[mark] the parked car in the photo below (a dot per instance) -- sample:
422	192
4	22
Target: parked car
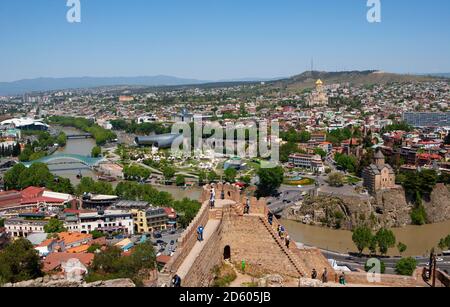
172	242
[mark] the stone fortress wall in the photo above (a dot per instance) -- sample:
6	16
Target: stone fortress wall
238	237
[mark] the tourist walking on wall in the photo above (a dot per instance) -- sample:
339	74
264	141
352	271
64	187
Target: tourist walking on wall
212	198
288	241
176	281
247	207
314	274
200	230
325	276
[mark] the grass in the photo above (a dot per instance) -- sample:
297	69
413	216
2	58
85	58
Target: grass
225	275
303	182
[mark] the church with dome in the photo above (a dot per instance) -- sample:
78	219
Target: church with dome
318	97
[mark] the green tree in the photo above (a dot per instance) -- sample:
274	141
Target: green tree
19	261
96	234
385	239
94	248
444	243
187	210
362	237
336	179
212	176
88	185
270	179
168	172
54	226
180	180
401	247
406	266
12	177
230	175
202	177
96	152
319	151
61	139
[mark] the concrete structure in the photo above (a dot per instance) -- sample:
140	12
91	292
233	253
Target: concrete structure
21	228
160	141
146	217
25	124
234	236
311	162
378	176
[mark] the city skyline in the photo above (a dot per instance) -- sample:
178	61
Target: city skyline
221	40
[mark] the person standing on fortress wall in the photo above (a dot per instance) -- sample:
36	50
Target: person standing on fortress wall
176	281
325	276
200	233
270	218
247	206
212	198
314	274
288	241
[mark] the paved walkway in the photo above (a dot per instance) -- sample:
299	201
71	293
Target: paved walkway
210	228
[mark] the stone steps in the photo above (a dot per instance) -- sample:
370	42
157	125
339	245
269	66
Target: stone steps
290	255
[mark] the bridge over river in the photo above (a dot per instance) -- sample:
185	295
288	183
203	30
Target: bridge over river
62	159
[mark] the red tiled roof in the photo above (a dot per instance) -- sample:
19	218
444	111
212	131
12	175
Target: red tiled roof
163	259
40	199
31	192
54	260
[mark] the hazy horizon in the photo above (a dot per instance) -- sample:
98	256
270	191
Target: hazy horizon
220	40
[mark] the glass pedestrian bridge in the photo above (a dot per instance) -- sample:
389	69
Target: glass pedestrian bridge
67	159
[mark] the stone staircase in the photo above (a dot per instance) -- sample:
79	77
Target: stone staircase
287	251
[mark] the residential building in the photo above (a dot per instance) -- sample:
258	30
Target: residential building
312	162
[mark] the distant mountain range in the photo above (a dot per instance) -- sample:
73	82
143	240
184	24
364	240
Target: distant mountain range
304	80
50	84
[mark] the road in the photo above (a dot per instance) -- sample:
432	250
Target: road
354	262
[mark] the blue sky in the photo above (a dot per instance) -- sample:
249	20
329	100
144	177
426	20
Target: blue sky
220	39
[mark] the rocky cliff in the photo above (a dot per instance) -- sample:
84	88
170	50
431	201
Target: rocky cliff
388	208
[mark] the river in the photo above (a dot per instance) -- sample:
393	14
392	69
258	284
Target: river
419	239
81	147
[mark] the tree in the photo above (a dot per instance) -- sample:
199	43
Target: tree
319	151
336	179
270	179
2	223
11	177
373	245
94	248
54	226
96	152
19	261
406	266
202	177
444	243
96	234
88	185
212	176
401	247
187	210
385	239
362	237
180	180
168	172
230	175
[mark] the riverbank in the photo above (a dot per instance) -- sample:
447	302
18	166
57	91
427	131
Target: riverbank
419	239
